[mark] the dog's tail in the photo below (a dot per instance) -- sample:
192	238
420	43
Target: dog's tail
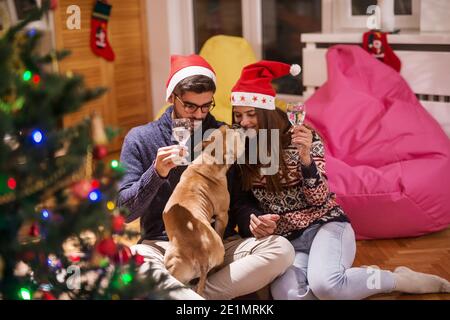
202	281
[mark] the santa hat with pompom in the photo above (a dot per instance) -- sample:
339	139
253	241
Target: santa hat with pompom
182	67
254	87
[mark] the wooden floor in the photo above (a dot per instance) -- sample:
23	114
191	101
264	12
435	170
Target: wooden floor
430	254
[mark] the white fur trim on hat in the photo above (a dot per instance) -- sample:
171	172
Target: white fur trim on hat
257	100
187	72
295	70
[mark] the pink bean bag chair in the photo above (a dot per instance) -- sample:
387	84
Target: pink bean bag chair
388	160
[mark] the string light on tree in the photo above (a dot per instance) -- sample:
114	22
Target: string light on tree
114	164
27	75
36	79
25	294
95	196
37	136
12	184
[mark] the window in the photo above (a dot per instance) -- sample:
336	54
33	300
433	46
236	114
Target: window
351	15
213	17
401	7
283	21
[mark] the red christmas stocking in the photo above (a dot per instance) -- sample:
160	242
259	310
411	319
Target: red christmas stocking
99	29
375	43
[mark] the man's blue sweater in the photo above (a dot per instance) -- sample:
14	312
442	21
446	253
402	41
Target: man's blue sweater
145	193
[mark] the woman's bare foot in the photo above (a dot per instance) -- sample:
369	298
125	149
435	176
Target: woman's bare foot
410	281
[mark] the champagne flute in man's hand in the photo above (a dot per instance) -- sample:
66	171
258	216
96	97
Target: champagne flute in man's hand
181	131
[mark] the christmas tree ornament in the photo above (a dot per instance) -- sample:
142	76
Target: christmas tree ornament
98	130
107	247
100	152
82	189
138	259
34	230
123	255
22	269
88	237
118	224
11	141
99	31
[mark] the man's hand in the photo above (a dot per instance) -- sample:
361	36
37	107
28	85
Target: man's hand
264	225
164	159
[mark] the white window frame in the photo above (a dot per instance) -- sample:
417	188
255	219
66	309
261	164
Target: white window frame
344	20
41	25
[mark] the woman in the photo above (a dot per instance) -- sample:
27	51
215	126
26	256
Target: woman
298	204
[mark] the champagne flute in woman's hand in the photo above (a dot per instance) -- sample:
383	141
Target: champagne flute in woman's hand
296	113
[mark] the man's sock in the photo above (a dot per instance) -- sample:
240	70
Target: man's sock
410	281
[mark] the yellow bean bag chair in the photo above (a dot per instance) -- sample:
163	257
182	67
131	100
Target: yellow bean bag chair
227	55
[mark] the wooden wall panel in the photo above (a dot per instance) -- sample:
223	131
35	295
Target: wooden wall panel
128	102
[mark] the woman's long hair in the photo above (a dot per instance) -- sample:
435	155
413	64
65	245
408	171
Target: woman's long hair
268	119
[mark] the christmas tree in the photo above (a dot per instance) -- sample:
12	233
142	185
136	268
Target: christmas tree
59	225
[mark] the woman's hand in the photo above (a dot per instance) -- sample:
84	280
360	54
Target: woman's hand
302	139
264	225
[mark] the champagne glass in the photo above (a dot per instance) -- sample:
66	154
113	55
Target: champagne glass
296	113
181	131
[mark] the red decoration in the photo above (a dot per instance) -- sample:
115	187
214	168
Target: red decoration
376	44
138	259
118	224
107	247
95	184
36	79
74	258
48	296
99	31
34	230
12	184
123	255
100	152
53	4
82	188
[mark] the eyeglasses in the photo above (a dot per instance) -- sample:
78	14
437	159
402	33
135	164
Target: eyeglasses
192	107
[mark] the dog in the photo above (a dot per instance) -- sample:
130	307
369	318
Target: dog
201	195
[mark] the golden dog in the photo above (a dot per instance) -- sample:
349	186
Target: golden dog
201	195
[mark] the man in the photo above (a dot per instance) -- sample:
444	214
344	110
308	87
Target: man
152	175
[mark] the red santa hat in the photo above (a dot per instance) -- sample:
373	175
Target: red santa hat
182	67
254	87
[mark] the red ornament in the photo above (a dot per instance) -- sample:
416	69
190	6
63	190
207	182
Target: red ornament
107	247
36	79
53	4
123	255
48	296
138	259
12	184
74	258
100	152
95	184
82	188
34	230
118	224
